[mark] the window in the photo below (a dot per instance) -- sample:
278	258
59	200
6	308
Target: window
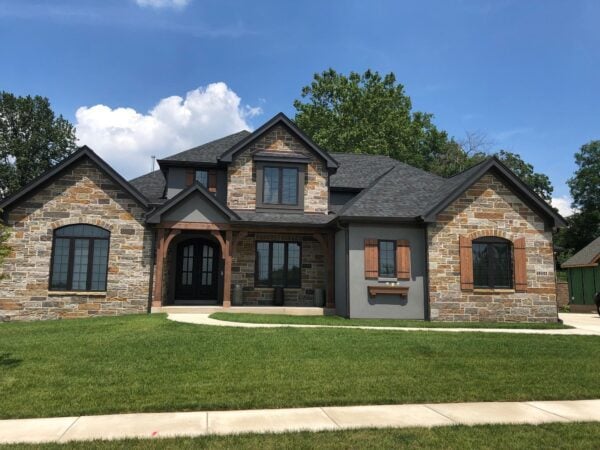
492	263
79	258
202	177
387	259
277	264
280	186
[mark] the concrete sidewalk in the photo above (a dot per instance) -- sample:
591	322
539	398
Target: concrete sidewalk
585	325
157	425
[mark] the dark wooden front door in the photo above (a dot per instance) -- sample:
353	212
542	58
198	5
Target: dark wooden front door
196	276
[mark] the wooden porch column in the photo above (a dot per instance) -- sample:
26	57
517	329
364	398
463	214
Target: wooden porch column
158	274
226	253
327	246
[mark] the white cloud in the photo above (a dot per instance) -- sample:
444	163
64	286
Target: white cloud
563	204
177	4
127	139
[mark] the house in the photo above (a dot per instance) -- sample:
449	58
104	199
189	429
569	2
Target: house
583	275
254	211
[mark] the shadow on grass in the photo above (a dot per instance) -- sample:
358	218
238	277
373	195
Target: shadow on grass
7	361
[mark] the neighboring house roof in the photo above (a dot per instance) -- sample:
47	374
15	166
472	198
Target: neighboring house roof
152	185
208	153
155	216
455	186
587	256
49	175
279	119
358	171
401	193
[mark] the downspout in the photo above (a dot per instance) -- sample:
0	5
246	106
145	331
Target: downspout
426	304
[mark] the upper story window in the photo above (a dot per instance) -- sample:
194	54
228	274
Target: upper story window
202	177
492	263
79	258
280	186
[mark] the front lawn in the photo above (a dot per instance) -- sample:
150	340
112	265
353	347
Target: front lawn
147	363
341	321
570	436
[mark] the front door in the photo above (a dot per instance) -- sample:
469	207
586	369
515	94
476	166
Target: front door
196	277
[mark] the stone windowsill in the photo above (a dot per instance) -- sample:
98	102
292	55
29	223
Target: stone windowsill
493	291
77	293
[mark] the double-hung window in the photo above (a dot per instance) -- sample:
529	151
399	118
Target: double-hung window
79	258
278	264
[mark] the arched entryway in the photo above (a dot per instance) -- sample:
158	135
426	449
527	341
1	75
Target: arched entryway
196	273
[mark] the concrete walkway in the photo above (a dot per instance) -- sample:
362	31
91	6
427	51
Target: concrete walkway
160	425
585	324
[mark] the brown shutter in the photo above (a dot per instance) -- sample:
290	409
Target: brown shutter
403	260
520	257
212	180
371	259
190	174
466	264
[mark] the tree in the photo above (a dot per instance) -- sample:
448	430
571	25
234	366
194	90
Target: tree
539	182
32	139
370	113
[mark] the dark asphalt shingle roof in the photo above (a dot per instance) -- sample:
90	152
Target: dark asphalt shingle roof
151	185
209	152
404	192
586	256
285	218
358	171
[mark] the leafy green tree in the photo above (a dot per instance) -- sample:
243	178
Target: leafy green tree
370	113
539	182
32	139
585	184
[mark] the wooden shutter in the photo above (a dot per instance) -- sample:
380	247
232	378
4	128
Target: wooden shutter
466	263
212	180
190	174
371	259
520	266
403	260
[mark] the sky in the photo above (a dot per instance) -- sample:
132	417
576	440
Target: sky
142	78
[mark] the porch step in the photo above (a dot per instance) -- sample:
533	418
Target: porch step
287	310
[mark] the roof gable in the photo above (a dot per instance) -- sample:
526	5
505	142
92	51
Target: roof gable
156	215
455	186
279	119
52	173
586	257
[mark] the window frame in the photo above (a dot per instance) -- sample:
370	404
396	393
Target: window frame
269	282
71	257
260	186
489	241
395	271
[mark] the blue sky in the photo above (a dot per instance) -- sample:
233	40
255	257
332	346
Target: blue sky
523	72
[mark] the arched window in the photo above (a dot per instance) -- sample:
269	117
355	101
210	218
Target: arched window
492	263
79	258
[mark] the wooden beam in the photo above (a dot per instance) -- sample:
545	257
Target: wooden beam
387	290
227	271
158	274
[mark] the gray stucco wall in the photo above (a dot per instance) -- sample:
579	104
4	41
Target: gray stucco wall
195	208
341	279
176	183
386	306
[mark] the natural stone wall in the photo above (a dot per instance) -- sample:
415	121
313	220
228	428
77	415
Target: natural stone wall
242	173
81	194
490	208
313	273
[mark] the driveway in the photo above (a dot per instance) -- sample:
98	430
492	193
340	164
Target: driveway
585	321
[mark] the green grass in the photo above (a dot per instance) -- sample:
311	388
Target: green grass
147	363
341	321
571	436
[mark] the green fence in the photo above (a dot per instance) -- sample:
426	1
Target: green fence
584	282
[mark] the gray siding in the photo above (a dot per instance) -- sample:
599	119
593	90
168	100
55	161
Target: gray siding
195	208
341	273
176	183
386	307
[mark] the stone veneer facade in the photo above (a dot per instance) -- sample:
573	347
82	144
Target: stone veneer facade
489	208
313	272
241	173
82	194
